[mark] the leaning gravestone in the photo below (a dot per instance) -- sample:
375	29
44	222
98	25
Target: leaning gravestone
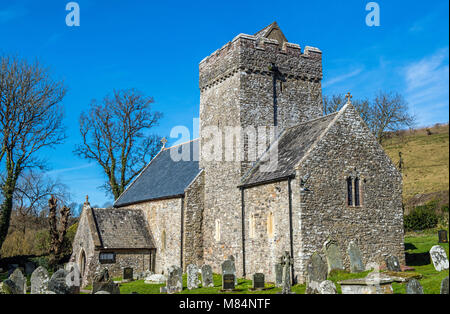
58	284
127	273
174	282
39	281
258	281
278	275
355	256
317	272
228	268
192	277
207	276
414	287
333	256
102	282
327	287
444	286
393	264
439	258
19	280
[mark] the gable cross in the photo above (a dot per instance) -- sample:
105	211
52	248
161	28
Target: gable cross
164	142
349	98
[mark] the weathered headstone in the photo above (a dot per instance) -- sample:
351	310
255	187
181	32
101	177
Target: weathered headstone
102	282
233	265
228	282
278	275
439	258
73	279
192	277
355	256
127	273
393	264
317	272
444	286
19	280
155	279
174	282
414	287
39	281
333	256
258	281
228	268
442	234
58	284
327	287
9	287
207	276
287	263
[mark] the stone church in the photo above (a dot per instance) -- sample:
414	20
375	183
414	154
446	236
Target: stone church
331	179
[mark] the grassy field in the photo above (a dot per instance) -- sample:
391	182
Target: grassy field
416	245
426	160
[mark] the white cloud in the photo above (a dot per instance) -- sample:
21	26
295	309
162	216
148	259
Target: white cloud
341	78
64	170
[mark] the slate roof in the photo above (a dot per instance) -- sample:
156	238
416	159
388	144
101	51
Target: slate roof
164	177
292	145
122	228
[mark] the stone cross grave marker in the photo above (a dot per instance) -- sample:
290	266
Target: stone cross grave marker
207	276
393	264
317	272
355	256
414	287
174	282
333	256
192	277
287	263
258	281
439	258
128	273
39	281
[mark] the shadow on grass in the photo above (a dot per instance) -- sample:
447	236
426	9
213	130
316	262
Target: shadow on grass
410	246
417	259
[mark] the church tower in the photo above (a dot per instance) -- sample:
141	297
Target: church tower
253	81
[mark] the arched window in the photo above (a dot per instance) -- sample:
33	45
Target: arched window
357	199
252	226
217	234
163	240
270	224
349	192
354	192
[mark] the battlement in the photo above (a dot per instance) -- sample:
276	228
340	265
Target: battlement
254	54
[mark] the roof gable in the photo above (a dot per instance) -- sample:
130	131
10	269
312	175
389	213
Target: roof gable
165	176
272	31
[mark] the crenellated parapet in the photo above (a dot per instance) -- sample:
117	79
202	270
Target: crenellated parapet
254	54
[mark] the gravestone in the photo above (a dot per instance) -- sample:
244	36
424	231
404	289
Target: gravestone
258	281
73	279
207	276
127	273
278	275
333	256
228	268
228	282
442	234
327	287
155	279
19	280
316	273
233	265
393	264
414	287
192	277
444	286
355	256
9	287
287	263
58	284
174	281
439	258
39	281
102	282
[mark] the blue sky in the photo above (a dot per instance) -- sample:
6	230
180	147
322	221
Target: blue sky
156	46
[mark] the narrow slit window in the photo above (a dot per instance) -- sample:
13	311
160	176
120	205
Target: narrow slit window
349	192
357	198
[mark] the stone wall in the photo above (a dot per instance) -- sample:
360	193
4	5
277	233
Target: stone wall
138	260
193	222
164	217
263	250
348	150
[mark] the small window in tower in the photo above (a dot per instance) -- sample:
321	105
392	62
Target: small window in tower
252	226
217	234
163	240
270	224
357	194
349	192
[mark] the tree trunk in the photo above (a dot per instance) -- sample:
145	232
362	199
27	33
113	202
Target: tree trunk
6	208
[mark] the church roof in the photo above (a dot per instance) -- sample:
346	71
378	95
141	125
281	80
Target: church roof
164	176
292	144
122	228
272	31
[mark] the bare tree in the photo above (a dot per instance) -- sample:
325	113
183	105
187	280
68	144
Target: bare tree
113	136
30	120
57	230
390	113
336	102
